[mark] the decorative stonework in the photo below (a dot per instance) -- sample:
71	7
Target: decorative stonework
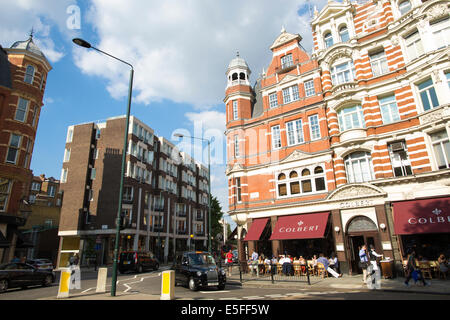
355	191
296	155
437	11
285	37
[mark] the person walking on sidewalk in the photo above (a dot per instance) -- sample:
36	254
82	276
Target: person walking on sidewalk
412	270
374	280
229	262
363	261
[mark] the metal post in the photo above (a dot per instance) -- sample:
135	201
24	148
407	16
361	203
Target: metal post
209	198
119	211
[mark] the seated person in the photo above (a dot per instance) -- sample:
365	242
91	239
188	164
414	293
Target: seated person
443	264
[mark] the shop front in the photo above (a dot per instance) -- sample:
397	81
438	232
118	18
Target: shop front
423	225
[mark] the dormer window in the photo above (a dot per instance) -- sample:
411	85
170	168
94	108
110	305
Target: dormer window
286	61
343	33
328	39
404	7
29	75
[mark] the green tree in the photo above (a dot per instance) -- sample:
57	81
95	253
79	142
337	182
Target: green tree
216	216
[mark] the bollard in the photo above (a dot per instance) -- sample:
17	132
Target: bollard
168	285
101	280
64	284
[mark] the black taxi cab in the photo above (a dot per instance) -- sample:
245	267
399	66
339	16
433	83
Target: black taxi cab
197	269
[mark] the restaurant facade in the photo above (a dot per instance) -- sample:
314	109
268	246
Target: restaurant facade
348	145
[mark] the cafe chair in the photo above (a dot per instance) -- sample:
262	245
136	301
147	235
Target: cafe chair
321	270
426	270
297	269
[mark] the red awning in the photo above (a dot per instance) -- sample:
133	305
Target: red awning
422	216
302	226
256	228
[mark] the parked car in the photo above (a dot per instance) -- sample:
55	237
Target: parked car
13	275
197	269
137	261
43	264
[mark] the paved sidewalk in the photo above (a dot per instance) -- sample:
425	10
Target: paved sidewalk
346	282
437	286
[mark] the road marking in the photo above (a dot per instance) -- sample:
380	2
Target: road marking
213	291
253	298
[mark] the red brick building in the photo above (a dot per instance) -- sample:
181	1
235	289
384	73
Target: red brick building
23	74
383	107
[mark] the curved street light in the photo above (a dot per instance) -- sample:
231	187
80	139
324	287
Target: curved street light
179	135
87	45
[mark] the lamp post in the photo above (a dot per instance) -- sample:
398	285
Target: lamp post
85	44
209	184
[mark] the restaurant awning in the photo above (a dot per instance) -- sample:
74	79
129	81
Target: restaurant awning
422	216
256	228
302	226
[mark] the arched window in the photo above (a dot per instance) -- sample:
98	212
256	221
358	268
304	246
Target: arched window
306	184
343	33
404	7
242	76
320	181
282	190
234	76
29	75
350	118
305	172
358	166
328	39
282	176
293	174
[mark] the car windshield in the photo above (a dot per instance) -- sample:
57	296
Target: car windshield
200	259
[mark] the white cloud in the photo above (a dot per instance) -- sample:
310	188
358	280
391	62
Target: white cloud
181	49
19	17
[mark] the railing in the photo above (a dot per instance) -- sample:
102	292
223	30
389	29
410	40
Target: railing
273	272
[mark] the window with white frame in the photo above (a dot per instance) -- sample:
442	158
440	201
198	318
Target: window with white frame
286	61
51	191
41	85
238	190
428	94
235	110
29	75
13	149
294	132
276	137
67	155
309	88
343	33
343	73
314	126
414	46
127	193
273	100
93	173
236	146
447	75
328	40
5	190
35	186
21	112
290	94
350	118
378	62
389	109
64	175
441	32
399	159
358	167
301	181
69	135
441	148
404	7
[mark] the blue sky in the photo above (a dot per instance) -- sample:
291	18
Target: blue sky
180	50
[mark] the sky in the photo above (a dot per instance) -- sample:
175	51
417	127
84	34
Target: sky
180	50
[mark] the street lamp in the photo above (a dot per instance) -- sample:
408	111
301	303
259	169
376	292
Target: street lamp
85	44
179	135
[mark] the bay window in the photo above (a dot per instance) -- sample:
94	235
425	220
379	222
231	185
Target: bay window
351	118
343	73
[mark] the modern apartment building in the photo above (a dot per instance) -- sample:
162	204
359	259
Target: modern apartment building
23	74
160	193
384	91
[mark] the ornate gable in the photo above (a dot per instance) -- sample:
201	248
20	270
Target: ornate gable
284	38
